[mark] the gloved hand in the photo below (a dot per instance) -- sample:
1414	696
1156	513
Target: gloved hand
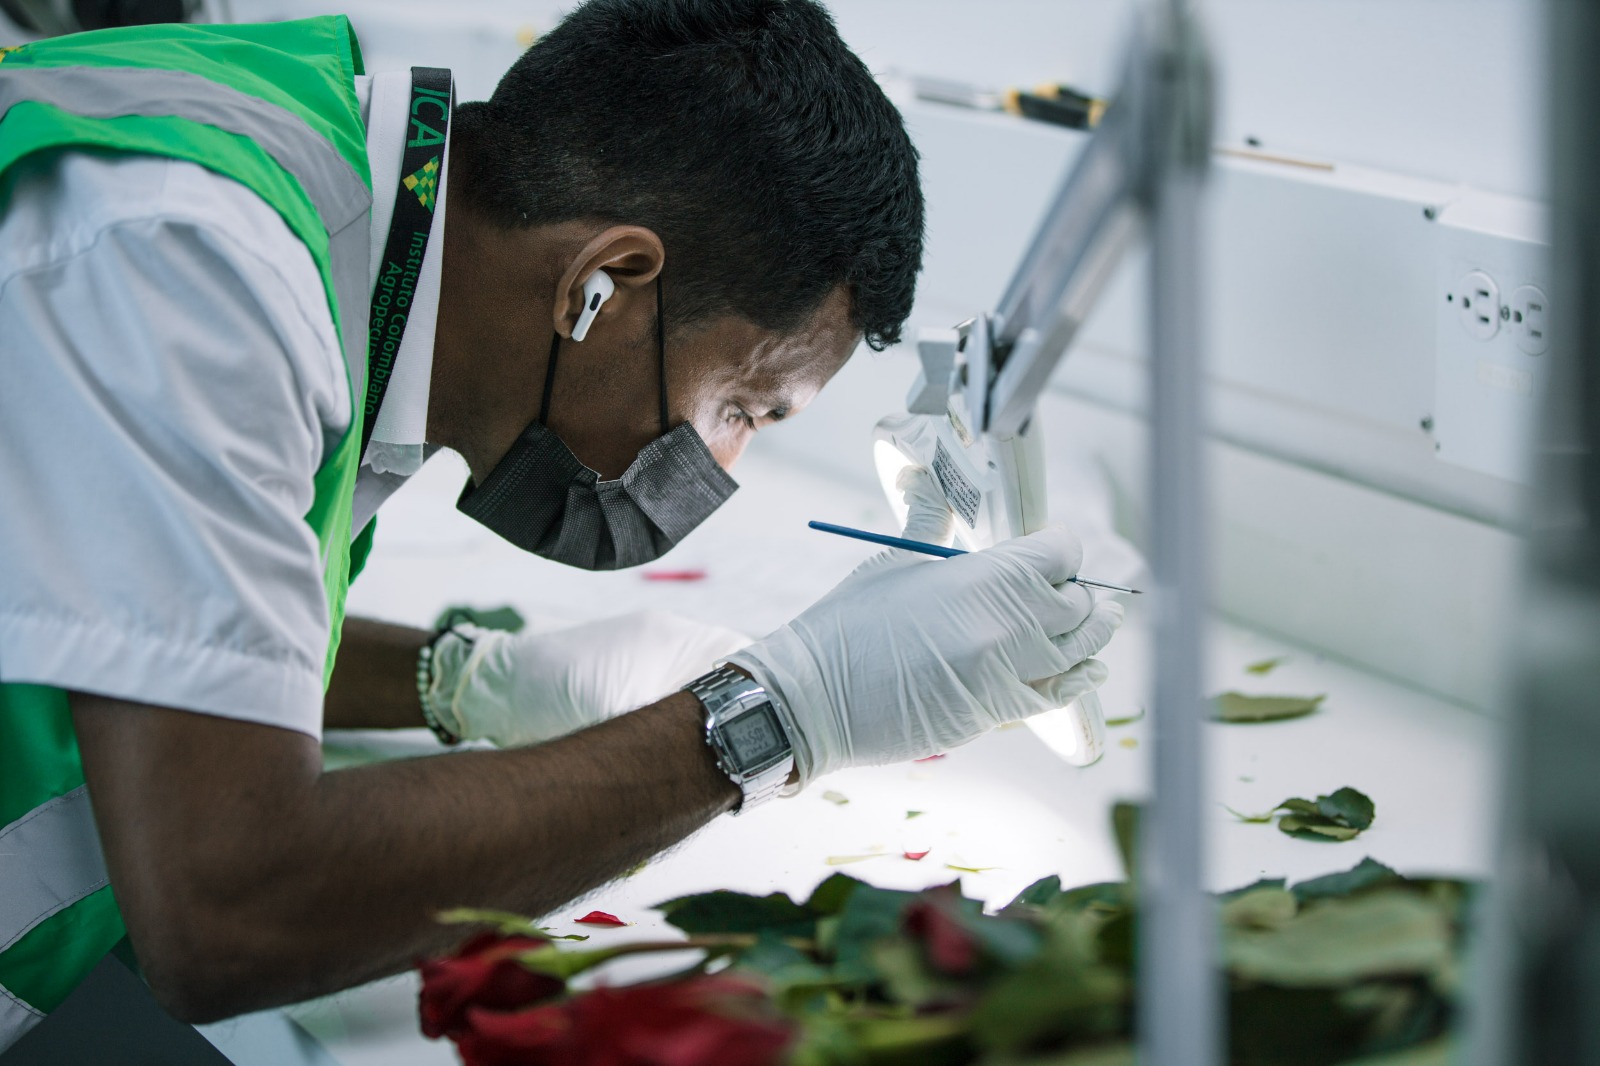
910	656
524	688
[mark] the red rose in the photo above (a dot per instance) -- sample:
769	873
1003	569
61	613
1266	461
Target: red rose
483	973
951	949
701	1020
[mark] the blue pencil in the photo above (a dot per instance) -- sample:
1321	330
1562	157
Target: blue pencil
934	549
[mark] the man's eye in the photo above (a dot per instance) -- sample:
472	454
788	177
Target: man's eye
744	416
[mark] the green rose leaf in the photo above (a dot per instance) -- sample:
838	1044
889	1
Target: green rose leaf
1385	933
1125	827
1266	666
736	912
831	895
1039	893
1239	707
1348	806
1365	874
1309	828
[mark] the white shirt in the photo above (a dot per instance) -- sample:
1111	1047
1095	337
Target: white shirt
170	380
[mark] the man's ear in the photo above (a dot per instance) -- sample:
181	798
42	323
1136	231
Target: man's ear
631	255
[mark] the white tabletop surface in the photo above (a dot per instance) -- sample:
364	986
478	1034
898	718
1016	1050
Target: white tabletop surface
1005	803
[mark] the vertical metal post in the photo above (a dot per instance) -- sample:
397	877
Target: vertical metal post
1537	994
1180	1003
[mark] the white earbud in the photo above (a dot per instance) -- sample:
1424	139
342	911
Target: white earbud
597	289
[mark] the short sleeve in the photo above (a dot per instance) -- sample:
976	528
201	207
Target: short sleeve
170	386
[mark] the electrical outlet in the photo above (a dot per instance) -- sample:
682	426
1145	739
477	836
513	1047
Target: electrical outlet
1477	300
1528	319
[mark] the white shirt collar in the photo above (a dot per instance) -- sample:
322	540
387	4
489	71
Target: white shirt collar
401	430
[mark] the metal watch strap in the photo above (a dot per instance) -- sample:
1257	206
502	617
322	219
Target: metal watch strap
726	693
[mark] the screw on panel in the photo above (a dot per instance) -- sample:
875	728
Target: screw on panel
1430	213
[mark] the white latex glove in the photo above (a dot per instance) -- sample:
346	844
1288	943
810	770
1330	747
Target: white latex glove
523	688
910	656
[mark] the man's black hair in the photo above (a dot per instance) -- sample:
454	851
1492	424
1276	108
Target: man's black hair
743	132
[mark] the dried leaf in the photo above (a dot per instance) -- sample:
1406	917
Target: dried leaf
838	799
599	918
1129	742
914	814
969	869
1239	707
1266	666
917	856
1253	819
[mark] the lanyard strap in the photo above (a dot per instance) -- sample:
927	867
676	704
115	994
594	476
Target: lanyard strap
421	176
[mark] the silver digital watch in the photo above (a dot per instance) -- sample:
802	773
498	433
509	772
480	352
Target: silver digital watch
746	733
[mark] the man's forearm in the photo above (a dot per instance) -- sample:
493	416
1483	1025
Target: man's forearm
375	682
259	880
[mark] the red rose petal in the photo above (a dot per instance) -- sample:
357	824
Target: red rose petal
600	918
929	758
917	856
674	575
482	974
951	949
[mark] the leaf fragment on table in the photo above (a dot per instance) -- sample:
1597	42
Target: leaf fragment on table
504	922
845	860
914	814
917	856
1253	819
1129	742
600	918
838	799
1341	815
1240	707
969	869
1266	666
1126	720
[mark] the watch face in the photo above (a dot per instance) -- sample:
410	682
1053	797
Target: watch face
755	737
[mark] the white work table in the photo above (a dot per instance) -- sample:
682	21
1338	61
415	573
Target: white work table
1005	803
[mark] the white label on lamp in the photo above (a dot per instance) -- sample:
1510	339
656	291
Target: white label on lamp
958	491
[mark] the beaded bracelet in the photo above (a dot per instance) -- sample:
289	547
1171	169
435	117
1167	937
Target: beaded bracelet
425	684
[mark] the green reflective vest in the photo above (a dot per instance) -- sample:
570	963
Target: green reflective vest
274	108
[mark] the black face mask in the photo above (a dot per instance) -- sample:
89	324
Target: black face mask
541	498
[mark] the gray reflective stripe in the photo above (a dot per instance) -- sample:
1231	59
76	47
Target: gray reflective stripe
16	1018
49	859
338	192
